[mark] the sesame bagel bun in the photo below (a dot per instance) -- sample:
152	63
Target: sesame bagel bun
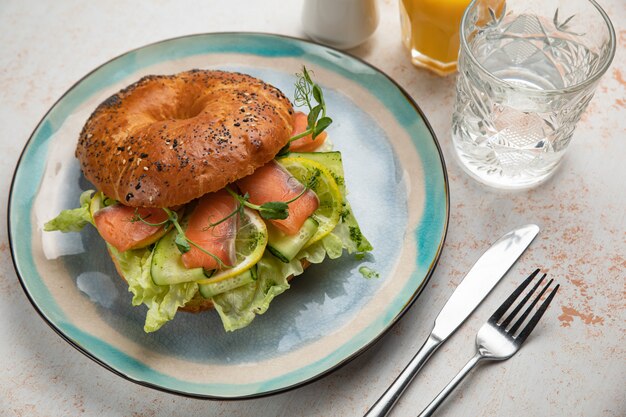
168	139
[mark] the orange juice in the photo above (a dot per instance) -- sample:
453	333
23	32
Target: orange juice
430	31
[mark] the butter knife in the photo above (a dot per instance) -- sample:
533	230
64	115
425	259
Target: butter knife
474	287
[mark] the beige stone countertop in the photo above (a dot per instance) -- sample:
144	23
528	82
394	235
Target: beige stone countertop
575	363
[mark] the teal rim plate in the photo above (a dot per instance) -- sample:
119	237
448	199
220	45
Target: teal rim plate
398	188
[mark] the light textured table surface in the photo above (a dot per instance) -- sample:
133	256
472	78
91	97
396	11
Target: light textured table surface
573	365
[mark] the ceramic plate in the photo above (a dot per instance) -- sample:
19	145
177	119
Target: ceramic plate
398	189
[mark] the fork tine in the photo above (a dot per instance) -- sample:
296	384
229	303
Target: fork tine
497	315
519	321
535	319
517	309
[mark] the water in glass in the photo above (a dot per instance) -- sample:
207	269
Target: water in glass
515	112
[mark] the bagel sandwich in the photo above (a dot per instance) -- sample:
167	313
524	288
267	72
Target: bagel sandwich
211	191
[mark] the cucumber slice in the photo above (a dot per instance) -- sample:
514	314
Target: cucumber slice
331	160
348	224
167	265
286	247
214	288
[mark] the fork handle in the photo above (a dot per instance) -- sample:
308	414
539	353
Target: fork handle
440	398
385	403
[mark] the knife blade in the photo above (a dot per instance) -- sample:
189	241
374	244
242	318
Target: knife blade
481	278
477	283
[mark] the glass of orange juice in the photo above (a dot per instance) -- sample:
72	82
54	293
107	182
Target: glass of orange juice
430	32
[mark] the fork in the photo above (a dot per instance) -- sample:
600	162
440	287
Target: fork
497	340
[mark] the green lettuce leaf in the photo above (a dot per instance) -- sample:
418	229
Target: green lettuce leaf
238	307
72	220
162	300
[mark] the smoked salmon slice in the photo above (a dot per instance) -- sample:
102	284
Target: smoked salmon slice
119	226
219	239
305	144
272	182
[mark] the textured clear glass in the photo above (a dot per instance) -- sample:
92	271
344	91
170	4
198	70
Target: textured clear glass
527	70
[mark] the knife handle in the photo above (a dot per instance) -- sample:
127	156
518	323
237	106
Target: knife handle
385	403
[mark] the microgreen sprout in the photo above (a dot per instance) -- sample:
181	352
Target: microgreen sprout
272	210
309	94
183	243
139	218
238	210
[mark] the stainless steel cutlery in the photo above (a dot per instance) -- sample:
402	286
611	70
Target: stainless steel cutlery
478	282
499	338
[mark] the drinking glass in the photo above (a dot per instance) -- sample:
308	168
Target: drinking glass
526	74
430	32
